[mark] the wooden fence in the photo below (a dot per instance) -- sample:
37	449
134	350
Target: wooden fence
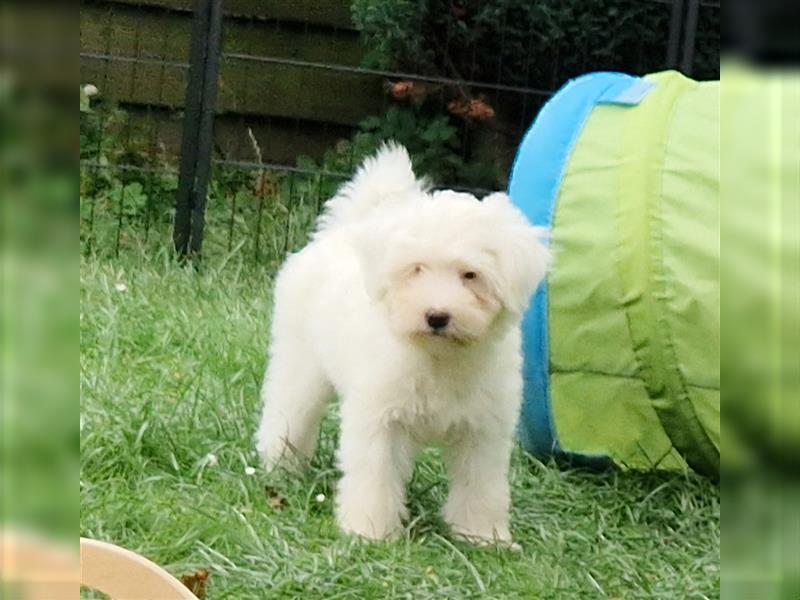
292	109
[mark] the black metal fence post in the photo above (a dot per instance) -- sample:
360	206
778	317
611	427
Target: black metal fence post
683	25
674	40
689	36
205	140
198	126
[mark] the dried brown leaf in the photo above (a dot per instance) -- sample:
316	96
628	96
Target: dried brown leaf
408	90
274	499
474	109
196	582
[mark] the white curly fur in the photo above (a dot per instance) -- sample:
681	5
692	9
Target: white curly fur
356	315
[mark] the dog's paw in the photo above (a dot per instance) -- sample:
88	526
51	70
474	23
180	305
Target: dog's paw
277	452
370	527
505	543
477	528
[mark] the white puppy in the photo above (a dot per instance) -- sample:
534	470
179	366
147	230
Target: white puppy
407	305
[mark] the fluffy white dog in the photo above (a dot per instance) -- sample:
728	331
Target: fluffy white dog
407	305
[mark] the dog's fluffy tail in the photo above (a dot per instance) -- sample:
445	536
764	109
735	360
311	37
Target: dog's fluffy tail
382	179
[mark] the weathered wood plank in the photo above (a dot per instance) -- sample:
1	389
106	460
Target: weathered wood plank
280	141
330	13
319	95
272	90
123	29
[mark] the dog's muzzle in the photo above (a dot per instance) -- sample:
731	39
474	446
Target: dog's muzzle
437	320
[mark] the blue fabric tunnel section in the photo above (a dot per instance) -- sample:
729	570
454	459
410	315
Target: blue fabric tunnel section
534	186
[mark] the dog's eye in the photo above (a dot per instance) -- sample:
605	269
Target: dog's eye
470	275
417	269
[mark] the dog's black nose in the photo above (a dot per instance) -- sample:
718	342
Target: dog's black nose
437	320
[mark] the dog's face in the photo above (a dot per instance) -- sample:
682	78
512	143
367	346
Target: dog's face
448	267
441	297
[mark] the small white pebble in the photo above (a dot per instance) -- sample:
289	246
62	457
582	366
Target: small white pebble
121	287
320	498
211	460
90	90
249	471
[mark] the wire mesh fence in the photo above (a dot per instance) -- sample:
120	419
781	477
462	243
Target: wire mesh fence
227	125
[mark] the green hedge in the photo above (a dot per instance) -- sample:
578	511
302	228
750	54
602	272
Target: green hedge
538	43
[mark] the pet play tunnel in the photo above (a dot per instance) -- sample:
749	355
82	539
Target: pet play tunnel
622	340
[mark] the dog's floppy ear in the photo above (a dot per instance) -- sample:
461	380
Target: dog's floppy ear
522	253
370	245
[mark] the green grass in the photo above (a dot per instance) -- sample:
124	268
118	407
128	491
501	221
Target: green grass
170	372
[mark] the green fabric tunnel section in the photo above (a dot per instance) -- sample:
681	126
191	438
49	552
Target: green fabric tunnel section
631	307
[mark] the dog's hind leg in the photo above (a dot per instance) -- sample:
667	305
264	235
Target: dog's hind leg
295	395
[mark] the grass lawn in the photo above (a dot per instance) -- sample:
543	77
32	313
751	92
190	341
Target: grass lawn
171	363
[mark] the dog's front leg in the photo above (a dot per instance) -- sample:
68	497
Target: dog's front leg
478	503
376	460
